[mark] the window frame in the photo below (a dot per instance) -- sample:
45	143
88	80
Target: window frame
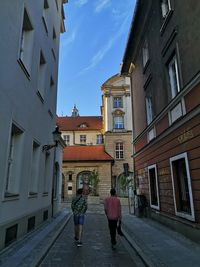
145	53
173	61
149	108
119	151
14	161
117	102
41	76
26	44
157	207
66	138
99	139
182	214
34	172
118	123
169	7
83	138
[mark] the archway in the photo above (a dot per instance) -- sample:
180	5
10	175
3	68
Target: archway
83	181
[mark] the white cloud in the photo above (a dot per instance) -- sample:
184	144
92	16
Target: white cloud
69	38
105	49
81	2
101	4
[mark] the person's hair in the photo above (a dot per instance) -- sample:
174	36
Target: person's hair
80	191
112	191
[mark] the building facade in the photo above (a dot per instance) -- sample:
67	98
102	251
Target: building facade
99	143
162	59
117	126
29	158
84	153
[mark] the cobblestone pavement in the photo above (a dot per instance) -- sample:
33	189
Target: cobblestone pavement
96	250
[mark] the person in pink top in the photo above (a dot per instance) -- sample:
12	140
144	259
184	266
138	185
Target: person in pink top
112	207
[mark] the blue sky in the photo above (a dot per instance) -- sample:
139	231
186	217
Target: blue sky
91	51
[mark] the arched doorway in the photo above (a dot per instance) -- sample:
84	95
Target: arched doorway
83	181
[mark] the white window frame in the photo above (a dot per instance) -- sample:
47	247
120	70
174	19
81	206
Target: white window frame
178	213
14	165
117	102
45	15
157	191
99	139
35	161
165	8
149	109
66	138
119	150
118	122
83	138
174	76
42	75
26	43
145	53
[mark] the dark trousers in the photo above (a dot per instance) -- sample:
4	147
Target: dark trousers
113	228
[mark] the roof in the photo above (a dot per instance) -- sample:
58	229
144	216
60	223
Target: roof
86	153
74	123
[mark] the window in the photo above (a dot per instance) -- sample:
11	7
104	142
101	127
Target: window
41	76
117	102
182	190
66	139
145	53
11	234
149	109
26	44
70	177
33	187
118	122
14	161
165	8
99	139
173	77
54	34
46	173
56	1
119	150
83	138
45	14
153	187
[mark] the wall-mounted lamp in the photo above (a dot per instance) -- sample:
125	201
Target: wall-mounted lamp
56	136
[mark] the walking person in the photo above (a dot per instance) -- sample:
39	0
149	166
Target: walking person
79	207
112	207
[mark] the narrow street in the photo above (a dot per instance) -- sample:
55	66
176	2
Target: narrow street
96	249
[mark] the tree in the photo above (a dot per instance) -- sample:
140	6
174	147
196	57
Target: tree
123	182
93	181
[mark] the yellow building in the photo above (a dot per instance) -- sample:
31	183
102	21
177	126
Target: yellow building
99	143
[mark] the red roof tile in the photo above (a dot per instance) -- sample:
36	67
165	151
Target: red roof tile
86	153
73	123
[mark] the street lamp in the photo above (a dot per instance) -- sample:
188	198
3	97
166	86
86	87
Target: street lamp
56	137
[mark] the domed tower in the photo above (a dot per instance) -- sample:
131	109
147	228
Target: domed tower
75	112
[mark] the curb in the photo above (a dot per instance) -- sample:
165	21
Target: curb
46	248
32	250
146	260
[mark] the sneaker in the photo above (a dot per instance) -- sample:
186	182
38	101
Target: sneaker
79	244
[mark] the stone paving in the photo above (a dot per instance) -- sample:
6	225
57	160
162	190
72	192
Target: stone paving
96	250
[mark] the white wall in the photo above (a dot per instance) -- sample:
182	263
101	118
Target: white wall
20	103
